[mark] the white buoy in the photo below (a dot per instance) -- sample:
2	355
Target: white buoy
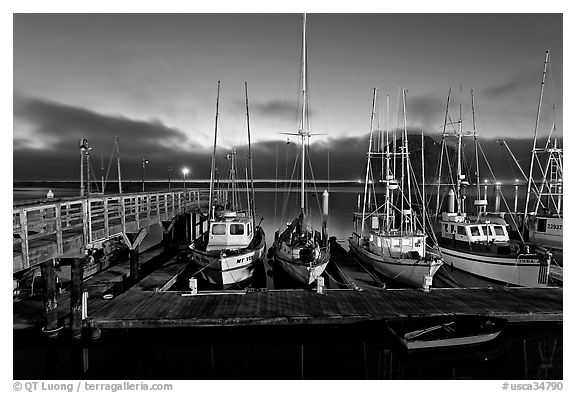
497	199
320	285
451	201
193	284
49	194
325	215
427	283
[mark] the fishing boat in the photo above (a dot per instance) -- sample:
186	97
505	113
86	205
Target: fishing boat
389	237
543	220
479	243
227	253
445	332
299	249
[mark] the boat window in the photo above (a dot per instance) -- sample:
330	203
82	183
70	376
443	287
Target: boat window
475	231
499	230
236	229
486	230
461	230
249	229
541	226
446	228
219	229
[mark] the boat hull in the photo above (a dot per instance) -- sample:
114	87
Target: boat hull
230	268
411	272
446	332
305	273
526	271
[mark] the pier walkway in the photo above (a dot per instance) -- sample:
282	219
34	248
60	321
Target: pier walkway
53	228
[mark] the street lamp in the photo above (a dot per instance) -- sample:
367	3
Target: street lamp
184	172
144	162
169	172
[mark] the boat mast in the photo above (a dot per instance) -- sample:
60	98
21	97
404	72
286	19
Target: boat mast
535	135
253	210
442	151
369	156
475	144
304	125
213	165
406	159
387	178
118	165
459	163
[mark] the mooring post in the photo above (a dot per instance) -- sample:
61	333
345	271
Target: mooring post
134	263
194	232
77	277
187	224
49	295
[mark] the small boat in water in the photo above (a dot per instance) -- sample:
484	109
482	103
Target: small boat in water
446	332
227	253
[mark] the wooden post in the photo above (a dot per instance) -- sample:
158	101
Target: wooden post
59	243
194	233
134	263
24	238
106	223
187	222
49	295
77	277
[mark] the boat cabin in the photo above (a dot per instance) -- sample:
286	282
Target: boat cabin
457	226
230	231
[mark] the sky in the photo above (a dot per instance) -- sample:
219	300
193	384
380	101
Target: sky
151	80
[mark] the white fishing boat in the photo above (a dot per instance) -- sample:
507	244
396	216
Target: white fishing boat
389	236
227	253
480	244
299	249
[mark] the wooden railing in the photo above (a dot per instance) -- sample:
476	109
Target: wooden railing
57	228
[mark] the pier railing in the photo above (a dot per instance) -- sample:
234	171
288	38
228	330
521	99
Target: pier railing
60	227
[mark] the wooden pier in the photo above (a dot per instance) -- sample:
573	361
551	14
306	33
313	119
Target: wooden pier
55	228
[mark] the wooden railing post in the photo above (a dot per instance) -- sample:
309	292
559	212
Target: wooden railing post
24	238
77	277
59	243
137	209
123	213
106	228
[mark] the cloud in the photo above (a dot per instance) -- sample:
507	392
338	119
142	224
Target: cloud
518	82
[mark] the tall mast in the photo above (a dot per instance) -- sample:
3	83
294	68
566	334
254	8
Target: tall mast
535	135
407	161
475	144
304	131
253	210
442	151
459	162
118	165
213	165
387	176
369	156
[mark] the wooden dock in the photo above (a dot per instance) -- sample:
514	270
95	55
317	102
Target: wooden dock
147	309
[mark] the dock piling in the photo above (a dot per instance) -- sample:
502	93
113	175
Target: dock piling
49	295
76	291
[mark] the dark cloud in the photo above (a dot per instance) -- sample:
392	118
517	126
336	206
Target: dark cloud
527	79
63	125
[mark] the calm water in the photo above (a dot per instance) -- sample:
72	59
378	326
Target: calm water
360	351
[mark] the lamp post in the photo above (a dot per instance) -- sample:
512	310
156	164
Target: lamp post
144	162
184	172
169	173
516	196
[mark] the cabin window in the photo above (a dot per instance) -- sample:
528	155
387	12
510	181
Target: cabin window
475	231
446	228
461	230
219	229
236	229
249	229
541	225
499	230
486	230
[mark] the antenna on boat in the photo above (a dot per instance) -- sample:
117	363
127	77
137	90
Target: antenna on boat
534	142
212	167
252	208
